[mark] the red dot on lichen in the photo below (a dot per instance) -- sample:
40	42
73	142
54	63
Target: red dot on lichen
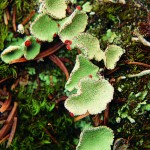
58	25
27	43
68	47
71	114
90	76
78	7
68	42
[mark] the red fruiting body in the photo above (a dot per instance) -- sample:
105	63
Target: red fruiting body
90	76
28	43
68	42
58	25
71	114
68	47
78	7
55	35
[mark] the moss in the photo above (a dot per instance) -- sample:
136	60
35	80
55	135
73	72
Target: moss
134	96
4	28
39	110
23	8
7	71
3	33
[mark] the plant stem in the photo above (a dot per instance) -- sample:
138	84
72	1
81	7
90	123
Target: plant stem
52	138
12	133
6	104
138	63
7	14
81	117
5	19
112	71
66	60
106	114
25	21
8	124
62	98
14	19
60	64
4	139
3	80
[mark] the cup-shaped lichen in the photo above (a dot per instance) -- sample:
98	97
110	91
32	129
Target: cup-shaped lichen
89	45
56	8
32	50
92	96
96	138
73	25
12	53
83	68
44	28
112	55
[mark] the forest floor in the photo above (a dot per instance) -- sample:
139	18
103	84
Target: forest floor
38	86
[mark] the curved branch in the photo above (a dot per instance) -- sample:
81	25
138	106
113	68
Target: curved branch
3	80
81	116
138	63
4	130
26	20
12	132
60	64
6	104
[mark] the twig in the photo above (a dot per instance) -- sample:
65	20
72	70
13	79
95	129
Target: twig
14	19
52	138
66	60
1	103
112	71
62	98
106	114
137	63
8	124
60	64
3	118
81	117
26	20
6	104
4	139
5	19
96	120
3	80
2	121
7	14
15	84
13	111
12	133
43	54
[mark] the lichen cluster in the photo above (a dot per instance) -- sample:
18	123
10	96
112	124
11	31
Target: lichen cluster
103	46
